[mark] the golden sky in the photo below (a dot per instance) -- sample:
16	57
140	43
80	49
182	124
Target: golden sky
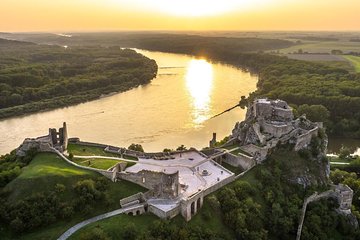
109	15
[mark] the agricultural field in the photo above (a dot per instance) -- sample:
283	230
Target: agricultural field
355	61
323	47
317	57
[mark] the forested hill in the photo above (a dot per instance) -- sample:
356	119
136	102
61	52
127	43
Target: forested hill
6	42
37	77
176	43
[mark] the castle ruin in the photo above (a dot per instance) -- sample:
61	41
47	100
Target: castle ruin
55	139
267	123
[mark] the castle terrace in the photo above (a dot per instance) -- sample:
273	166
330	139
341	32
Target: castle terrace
190	165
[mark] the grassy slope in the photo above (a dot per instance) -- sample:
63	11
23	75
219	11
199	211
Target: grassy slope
355	61
44	172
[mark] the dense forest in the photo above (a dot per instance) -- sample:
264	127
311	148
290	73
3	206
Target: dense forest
36	77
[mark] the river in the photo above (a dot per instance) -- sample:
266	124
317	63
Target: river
174	109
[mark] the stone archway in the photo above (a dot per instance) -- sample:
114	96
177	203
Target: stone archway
192	207
198	203
131	214
138	212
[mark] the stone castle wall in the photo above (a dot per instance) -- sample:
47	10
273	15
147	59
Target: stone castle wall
276	130
164	214
163	185
259	153
137	196
241	160
304	140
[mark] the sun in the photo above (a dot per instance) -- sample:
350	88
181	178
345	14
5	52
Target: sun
197	7
194	8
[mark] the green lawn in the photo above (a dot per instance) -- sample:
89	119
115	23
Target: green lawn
81	150
355	61
44	172
100	163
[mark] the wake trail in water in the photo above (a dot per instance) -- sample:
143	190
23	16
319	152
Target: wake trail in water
88	114
227	110
170	67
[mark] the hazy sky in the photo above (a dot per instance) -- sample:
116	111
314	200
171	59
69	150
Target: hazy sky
104	15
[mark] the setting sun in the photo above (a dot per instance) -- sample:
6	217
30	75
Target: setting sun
197	8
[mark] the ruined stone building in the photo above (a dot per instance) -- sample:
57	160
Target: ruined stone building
55	139
269	122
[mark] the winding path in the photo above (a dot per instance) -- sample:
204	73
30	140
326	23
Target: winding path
82	224
314	197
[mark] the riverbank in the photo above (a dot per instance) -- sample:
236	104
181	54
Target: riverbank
41	77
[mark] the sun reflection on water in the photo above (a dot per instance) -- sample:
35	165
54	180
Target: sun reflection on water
199	80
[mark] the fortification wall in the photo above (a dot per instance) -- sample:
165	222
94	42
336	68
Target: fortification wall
284	113
162	214
90	144
262	109
276	130
218	185
304	140
260	153
107	174
137	196
163	185
241	160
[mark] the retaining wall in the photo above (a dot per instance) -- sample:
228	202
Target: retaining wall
132	198
162	214
241	160
108	174
305	139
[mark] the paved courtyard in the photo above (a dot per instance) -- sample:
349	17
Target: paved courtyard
196	172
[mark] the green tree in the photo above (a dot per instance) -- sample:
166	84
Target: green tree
166	150
181	148
315	113
344	152
136	147
96	233
130	231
